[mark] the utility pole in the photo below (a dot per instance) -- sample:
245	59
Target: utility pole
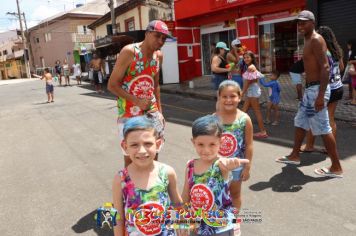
113	20
26	35
28	73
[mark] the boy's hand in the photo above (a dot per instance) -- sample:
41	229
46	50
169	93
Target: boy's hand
229	164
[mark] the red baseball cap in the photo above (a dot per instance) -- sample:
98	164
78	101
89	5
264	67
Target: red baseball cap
158	26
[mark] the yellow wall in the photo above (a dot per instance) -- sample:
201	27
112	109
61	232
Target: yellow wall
100	30
12	68
132	13
163	11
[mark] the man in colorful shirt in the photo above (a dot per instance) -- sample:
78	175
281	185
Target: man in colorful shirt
135	78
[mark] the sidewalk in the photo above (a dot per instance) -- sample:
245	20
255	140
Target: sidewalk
203	89
16	81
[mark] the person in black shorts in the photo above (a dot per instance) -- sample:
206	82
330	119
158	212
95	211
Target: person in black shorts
58	70
97	65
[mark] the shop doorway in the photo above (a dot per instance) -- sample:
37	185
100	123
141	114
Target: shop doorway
280	46
208	42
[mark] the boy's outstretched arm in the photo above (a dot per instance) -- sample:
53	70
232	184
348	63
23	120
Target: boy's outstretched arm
229	164
264	83
119	229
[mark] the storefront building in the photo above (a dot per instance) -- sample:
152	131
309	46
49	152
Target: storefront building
266	27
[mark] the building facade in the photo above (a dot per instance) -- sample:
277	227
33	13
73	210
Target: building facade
133	15
65	36
131	19
266	27
11	56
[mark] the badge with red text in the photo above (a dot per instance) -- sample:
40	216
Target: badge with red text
228	145
142	87
201	197
148	218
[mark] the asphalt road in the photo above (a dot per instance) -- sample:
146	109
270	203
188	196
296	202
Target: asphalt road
57	162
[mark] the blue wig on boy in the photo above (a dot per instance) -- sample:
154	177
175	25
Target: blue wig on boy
207	125
138	123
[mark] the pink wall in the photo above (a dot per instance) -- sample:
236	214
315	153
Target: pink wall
61	41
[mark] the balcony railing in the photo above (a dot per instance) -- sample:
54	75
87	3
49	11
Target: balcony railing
82	38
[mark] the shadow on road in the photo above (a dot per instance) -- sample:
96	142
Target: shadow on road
290	180
40	103
87	223
184	110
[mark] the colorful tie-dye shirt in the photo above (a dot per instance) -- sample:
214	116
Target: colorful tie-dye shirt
233	138
210	192
140	203
139	81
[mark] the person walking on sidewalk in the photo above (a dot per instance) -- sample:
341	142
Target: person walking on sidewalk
77	72
218	64
295	73
312	113
135	79
236	56
253	92
335	57
58	70
66	72
97	65
274	90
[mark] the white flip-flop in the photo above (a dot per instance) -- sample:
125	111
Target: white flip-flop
285	160
327	173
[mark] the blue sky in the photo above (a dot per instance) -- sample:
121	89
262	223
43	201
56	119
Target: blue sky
35	11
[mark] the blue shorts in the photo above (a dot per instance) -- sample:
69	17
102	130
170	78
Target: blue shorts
307	118
49	88
238	79
275	99
217	79
296	78
236	174
254	91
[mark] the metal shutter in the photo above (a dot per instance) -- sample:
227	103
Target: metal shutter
340	16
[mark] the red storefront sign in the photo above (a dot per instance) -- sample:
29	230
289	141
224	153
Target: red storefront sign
222	3
279	15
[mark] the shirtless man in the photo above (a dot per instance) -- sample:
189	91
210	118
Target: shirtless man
49	84
135	79
312	113
97	65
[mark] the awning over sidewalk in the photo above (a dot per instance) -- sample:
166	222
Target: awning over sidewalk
112	44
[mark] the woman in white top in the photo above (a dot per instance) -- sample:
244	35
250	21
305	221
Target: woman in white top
65	67
77	72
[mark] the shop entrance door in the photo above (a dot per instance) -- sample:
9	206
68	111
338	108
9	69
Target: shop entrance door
285	44
280	46
208	42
